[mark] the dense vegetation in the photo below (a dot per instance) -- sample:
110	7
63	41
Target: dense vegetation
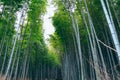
85	45
24	53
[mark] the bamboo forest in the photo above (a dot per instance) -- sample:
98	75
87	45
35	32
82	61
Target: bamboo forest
59	39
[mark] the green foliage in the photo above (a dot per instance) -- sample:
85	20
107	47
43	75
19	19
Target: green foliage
12	2
39	54
31	42
52	59
56	45
62	23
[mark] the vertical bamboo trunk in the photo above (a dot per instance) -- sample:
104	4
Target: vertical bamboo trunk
112	29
